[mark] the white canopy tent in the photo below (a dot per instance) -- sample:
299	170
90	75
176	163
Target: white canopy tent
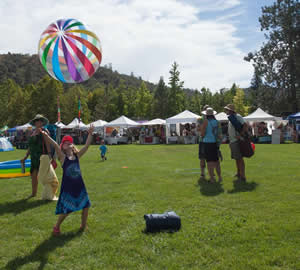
181	118
123	122
24	127
222	117
98	123
60	124
259	115
75	124
99	126
154	122
279	122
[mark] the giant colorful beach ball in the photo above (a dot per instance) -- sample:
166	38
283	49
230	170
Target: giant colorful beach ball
69	51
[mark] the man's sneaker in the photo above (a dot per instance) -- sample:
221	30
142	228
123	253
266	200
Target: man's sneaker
243	180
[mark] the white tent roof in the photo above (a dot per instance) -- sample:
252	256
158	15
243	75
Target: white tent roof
259	115
122	121
183	117
98	123
76	124
221	116
279	122
24	127
60	124
154	122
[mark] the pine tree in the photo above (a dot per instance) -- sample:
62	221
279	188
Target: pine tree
160	107
176	98
233	89
120	99
131	99
194	102
206	97
97	104
278	57
111	108
143	102
255	89
238	102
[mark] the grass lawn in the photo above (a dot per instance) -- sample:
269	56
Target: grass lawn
229	226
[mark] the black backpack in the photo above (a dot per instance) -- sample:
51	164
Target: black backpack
168	221
236	124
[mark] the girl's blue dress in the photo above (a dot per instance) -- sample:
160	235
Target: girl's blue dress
73	195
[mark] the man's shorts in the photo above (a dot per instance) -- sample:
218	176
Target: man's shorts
201	153
235	150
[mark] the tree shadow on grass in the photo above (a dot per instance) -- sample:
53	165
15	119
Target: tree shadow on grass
239	186
20	206
41	252
210	189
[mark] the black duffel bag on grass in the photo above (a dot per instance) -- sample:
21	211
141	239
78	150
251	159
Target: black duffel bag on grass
168	221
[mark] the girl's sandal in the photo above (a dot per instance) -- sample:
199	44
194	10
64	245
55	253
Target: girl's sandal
83	228
56	231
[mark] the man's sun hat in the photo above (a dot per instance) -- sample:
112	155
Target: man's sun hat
230	107
41	118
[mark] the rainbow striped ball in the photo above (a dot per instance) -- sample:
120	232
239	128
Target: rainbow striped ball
69	51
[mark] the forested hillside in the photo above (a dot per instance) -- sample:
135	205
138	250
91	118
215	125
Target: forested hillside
26	90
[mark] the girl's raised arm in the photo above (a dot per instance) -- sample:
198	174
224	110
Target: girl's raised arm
88	142
48	139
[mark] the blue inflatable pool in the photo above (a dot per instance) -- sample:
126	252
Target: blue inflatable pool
13	168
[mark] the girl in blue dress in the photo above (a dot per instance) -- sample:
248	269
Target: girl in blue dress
73	195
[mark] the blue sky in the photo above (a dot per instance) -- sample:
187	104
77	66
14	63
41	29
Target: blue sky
249	27
246	21
207	38
244	15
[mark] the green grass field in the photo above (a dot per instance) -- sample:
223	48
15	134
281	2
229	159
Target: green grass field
230	226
